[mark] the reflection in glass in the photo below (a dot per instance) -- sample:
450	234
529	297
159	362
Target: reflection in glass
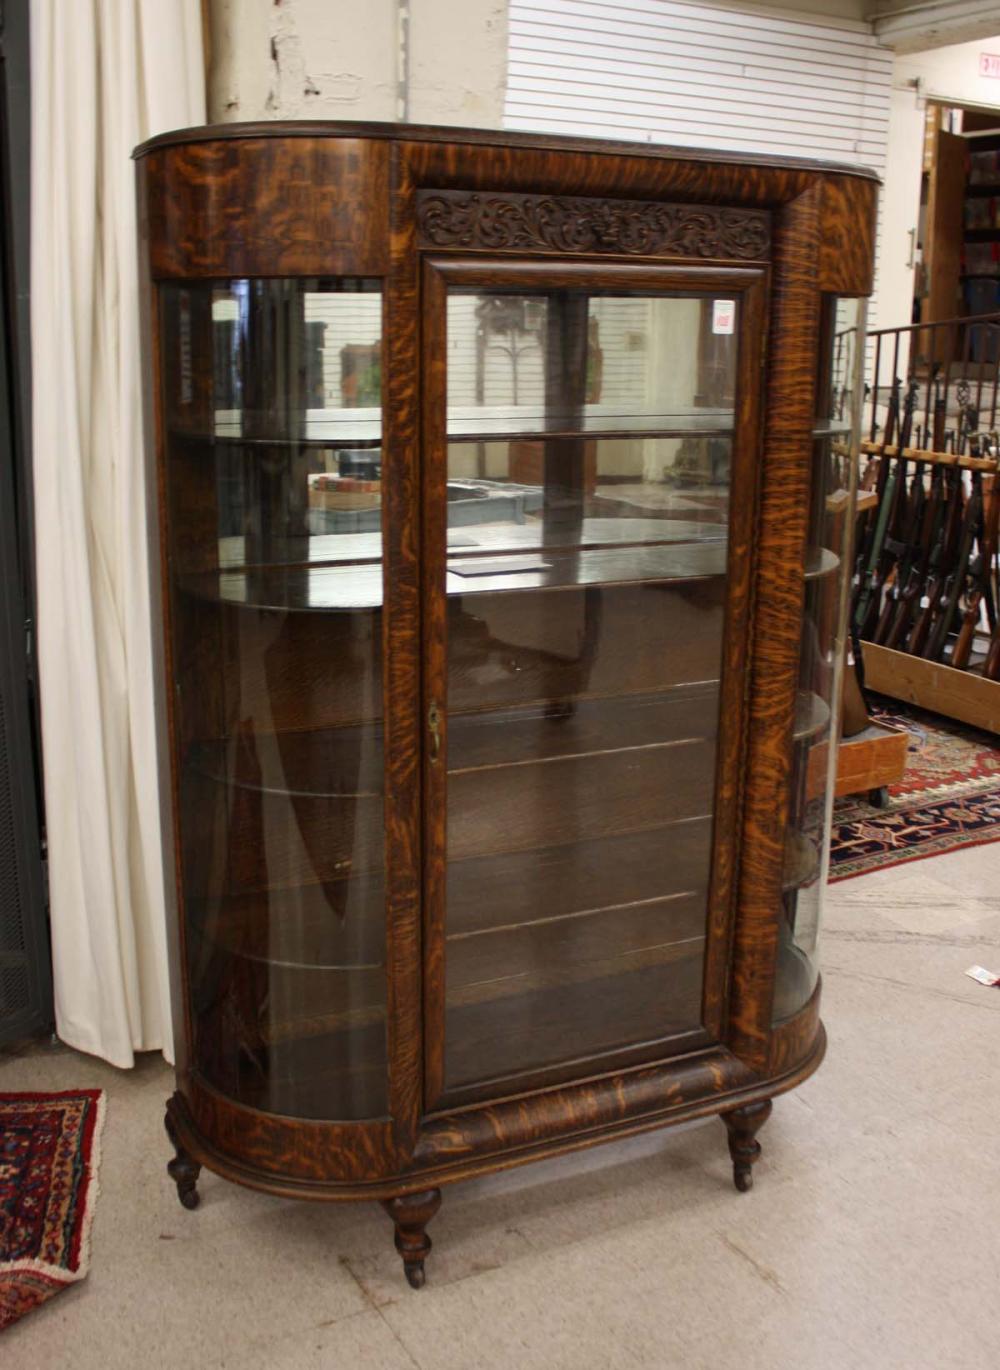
273	465
285	376
834	468
590	444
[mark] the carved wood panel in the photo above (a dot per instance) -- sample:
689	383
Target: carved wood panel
554	223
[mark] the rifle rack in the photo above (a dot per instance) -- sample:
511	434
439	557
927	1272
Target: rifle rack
933	685
990	465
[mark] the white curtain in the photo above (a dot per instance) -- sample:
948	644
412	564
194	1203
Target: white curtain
105	74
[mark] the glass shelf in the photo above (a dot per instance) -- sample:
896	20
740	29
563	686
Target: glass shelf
812	716
802	861
313	428
821	562
346	588
506	424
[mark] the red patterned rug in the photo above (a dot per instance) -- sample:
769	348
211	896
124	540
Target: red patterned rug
949	798
50	1147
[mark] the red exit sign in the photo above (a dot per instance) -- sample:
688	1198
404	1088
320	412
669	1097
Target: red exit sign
989	64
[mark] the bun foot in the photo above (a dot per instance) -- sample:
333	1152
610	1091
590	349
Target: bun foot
743	1124
182	1169
410	1214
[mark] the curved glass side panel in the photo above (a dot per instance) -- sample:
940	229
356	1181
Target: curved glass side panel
817	725
272	469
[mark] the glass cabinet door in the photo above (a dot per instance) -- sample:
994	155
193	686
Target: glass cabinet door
588	483
271	403
816	731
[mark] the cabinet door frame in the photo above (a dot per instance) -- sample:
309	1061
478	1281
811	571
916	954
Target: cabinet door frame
532	272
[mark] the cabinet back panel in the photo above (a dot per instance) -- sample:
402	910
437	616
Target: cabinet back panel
560	644
285	671
498	960
617	1005
516	888
507	808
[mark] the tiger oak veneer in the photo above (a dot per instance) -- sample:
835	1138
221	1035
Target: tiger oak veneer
501	528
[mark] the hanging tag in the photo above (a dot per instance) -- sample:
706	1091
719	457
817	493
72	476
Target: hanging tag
983	976
723	316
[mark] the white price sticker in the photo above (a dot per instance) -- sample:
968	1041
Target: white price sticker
984	976
723	316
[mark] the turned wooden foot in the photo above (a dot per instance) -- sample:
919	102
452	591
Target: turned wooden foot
182	1169
743	1124
411	1213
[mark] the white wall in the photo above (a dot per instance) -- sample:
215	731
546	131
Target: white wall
952	73
338	59
949	74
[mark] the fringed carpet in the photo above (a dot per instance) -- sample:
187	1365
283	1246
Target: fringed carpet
50	1146
949	798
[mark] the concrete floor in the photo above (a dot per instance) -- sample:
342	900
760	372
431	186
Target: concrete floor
872	1238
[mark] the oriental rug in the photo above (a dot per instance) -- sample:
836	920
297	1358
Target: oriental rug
49	1159
949	797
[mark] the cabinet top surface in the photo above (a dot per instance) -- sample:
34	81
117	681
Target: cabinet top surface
482	137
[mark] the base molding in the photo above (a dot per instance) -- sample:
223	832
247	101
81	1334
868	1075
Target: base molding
477	1141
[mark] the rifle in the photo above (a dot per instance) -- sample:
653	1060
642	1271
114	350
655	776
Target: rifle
940	418
968	415
865	565
888	545
970	617
930	529
955	582
942	539
991	666
895	615
988	544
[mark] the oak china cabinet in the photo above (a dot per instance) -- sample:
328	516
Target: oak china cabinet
504	487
